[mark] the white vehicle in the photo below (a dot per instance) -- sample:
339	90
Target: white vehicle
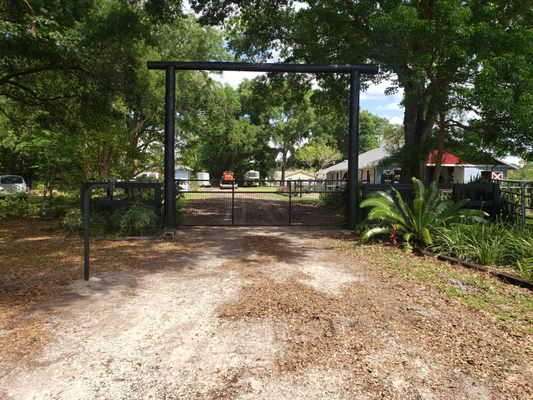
12	185
203	177
251	178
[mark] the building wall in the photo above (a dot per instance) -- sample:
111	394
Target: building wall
460	175
472	173
302	176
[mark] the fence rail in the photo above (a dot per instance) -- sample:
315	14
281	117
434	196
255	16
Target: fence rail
517	200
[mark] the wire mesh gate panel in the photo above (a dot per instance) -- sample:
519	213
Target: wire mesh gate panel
262	203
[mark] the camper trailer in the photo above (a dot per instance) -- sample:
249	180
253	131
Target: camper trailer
203	178
251	178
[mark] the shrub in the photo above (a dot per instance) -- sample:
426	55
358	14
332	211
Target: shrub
16	206
138	219
334	200
414	225
490	244
72	222
59	205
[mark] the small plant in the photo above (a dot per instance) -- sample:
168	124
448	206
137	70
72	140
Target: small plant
414	225
137	220
525	267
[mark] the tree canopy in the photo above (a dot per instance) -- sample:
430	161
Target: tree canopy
470	57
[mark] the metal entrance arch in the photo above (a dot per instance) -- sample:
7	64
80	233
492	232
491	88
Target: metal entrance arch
355	71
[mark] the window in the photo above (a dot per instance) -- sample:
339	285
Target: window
11	180
486	175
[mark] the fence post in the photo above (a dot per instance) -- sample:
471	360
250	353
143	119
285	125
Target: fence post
523	202
290	203
233	202
157	201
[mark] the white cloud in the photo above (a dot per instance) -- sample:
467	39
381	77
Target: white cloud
377	92
396	120
234	78
390	106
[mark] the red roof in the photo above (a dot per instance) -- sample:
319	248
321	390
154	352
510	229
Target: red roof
450	159
447	158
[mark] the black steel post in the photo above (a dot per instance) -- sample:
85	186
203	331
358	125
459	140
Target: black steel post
233	202
290	203
170	158
352	210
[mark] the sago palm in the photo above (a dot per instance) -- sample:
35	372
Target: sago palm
395	217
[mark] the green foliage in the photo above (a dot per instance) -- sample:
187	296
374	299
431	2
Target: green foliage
525	267
137	220
414	224
72	222
16	206
445	55
76	99
317	154
491	244
334	200
524	172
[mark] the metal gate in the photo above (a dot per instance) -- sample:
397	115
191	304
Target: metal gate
261	203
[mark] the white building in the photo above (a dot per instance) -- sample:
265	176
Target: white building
453	169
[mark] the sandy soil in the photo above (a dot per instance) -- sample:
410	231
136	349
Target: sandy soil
264	313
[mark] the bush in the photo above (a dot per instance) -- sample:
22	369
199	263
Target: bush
72	223
60	205
16	206
414	225
138	219
497	243
334	200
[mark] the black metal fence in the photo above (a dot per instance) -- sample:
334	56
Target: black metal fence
262	203
125	194
517	200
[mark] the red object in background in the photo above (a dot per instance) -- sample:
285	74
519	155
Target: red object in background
447	158
227	176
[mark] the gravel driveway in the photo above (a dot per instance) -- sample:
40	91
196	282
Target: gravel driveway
264	313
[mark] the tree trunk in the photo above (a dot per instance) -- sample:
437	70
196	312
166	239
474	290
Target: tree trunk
419	117
283	162
438	161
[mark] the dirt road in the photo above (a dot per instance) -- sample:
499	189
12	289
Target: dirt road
271	313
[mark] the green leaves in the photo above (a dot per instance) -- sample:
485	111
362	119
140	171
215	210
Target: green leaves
416	224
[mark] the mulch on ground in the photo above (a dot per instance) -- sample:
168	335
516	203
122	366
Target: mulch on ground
389	327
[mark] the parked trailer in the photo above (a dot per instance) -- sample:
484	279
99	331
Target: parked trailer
203	177
251	178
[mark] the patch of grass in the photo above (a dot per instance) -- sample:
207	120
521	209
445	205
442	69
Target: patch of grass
496	243
474	289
